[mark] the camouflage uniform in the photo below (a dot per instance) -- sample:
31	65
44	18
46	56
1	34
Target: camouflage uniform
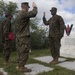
6	28
56	31
23	35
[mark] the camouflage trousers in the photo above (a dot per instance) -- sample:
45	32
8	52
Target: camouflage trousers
6	49
55	47
23	47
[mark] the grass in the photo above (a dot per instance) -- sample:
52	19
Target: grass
11	68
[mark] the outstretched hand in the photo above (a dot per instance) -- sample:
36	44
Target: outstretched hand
44	14
33	4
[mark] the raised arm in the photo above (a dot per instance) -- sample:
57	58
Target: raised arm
32	13
44	20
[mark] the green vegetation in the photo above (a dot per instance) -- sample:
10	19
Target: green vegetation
11	68
9	7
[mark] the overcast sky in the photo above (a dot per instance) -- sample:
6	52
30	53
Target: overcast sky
66	8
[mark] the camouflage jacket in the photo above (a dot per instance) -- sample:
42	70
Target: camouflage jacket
56	26
5	28
22	22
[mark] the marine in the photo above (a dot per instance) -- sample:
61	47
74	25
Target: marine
56	32
23	34
6	43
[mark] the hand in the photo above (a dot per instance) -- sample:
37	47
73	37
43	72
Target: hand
33	4
44	14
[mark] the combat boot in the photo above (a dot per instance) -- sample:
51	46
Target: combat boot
1	73
23	69
54	61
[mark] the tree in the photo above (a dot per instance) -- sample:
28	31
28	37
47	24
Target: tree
9	7
39	40
2	7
